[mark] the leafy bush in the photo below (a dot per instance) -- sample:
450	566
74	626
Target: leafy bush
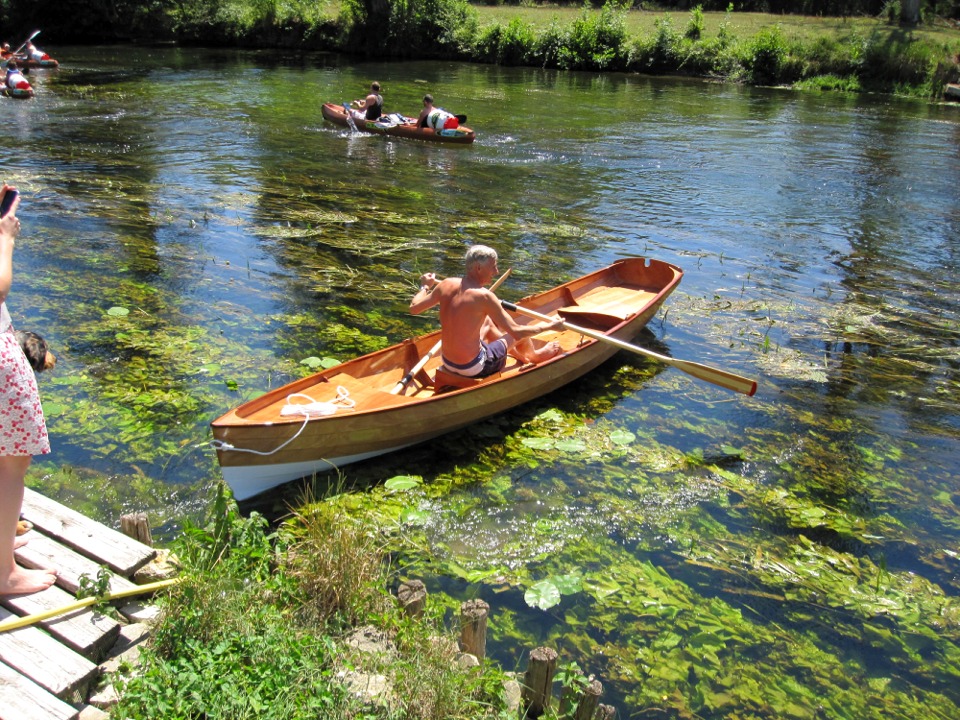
410	28
596	42
550	45
660	53
510	45
830	83
695	27
765	57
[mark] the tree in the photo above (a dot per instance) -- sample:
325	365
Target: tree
909	12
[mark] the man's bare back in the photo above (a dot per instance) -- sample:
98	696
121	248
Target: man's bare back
470	313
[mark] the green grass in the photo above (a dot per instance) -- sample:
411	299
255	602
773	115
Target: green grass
795	28
258	627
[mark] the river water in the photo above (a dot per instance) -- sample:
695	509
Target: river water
193	230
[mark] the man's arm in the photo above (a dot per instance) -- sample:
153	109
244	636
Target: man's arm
503	320
426	296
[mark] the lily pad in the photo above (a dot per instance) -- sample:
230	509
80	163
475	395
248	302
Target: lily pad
543	595
399	483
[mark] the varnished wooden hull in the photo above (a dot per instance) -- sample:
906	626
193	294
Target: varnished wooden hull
336	114
258	448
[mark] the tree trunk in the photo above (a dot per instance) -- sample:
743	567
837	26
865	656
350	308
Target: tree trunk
909	12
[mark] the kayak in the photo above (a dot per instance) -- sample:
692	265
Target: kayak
401	396
24	62
397	125
18	93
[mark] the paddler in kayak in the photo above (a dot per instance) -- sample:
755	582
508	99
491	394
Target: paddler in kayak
436	118
370	108
15	81
32	53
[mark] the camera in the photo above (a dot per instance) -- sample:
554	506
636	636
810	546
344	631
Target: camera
7	202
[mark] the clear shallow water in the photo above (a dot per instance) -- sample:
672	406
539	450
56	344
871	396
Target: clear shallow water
202	192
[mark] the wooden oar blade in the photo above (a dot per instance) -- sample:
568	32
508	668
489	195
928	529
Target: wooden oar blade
724	379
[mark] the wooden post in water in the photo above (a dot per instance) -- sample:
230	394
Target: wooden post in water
606	712
581	702
137	526
589	701
473	628
538	681
413	597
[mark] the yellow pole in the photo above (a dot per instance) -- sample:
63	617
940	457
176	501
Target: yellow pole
15	623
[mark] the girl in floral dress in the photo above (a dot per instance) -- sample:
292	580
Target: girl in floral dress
23	432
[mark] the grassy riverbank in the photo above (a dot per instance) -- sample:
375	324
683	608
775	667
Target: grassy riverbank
297	624
852	53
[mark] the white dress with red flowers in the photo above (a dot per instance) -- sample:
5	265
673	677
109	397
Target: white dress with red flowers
23	430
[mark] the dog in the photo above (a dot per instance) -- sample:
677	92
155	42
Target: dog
36	349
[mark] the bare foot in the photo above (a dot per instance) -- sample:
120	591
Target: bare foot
19	542
550	350
23	582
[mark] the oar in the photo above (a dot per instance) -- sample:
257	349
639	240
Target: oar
405	380
704	372
17	51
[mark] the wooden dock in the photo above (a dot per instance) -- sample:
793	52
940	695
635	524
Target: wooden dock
48	669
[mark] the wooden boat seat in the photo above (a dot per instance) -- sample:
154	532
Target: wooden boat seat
590	318
603	308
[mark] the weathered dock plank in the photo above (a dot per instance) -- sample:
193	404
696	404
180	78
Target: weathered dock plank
22	699
85	631
50	663
44	552
95	540
54	667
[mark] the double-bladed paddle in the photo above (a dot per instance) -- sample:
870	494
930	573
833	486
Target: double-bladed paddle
405	380
704	372
17	51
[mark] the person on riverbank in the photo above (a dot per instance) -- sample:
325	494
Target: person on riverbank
436	118
370	108
23	431
476	332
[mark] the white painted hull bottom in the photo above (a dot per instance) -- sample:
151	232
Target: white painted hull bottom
248	480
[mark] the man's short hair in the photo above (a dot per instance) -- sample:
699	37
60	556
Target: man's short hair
479	254
428	98
375	86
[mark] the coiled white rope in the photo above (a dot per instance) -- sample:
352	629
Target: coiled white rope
309	409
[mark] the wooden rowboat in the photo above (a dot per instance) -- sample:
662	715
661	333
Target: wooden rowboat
406	128
280	437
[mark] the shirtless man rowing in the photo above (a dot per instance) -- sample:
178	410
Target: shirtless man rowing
477	333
